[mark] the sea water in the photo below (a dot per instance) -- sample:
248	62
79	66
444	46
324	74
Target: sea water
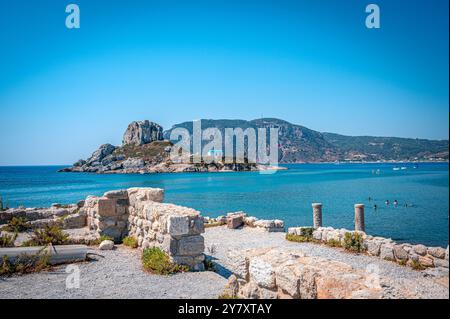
422	192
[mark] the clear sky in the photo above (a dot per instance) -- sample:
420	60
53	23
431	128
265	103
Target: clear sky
63	92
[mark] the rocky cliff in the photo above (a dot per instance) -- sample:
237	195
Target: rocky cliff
144	151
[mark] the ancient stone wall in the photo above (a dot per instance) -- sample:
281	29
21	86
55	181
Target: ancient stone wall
384	248
139	212
271	273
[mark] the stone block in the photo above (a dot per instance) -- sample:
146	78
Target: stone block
106	207
191	245
234	222
178	225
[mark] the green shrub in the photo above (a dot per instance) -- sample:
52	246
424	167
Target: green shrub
416	265
298	238
354	242
334	243
130	241
25	264
158	262
214	224
7	240
17	225
49	234
209	265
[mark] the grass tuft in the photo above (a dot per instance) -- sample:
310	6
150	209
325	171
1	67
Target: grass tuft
354	242
130	241
25	264
158	262
7	240
49	234
17	225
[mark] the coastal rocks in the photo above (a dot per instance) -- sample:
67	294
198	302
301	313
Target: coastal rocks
106	245
96	157
133	163
142	132
278	273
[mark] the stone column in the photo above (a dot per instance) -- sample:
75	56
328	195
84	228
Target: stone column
359	217
317	215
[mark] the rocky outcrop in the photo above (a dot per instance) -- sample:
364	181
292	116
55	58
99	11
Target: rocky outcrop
270	273
142	132
143	151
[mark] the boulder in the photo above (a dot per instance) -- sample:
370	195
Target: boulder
142	132
234	222
420	250
437	252
106	245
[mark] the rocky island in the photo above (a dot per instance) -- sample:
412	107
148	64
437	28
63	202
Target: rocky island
144	150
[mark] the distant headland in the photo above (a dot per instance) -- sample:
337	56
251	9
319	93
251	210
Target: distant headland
146	148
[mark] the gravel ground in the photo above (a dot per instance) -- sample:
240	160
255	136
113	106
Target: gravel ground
397	281
118	274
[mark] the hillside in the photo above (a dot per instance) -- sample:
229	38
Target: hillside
298	144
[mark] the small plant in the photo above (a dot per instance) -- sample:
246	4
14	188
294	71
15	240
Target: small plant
354	242
158	262
416	265
130	241
7	240
25	264
212	249
298	238
209	265
334	243
214	224
17	225
49	234
402	262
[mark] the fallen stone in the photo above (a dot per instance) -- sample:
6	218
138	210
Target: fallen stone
106	245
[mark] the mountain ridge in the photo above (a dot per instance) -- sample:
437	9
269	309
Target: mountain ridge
299	144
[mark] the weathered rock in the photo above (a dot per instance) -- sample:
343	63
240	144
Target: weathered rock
142	132
400	253
437	252
280	273
132	163
234	222
106	245
387	252
373	247
103	151
426	261
420	250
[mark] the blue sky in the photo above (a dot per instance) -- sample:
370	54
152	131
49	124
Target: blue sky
64	92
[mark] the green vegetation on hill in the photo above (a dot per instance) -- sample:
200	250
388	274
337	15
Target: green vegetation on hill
299	144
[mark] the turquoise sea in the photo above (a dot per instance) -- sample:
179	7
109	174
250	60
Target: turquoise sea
285	195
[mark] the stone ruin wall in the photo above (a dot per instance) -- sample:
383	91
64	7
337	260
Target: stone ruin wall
139	212
383	248
274	273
